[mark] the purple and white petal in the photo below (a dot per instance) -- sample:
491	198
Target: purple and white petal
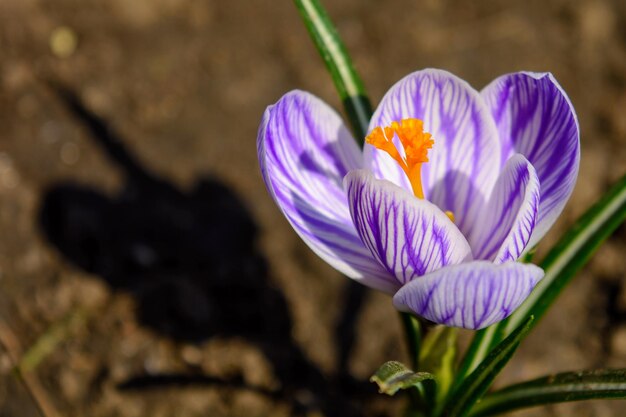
535	117
465	159
305	151
508	219
472	295
410	237
384	166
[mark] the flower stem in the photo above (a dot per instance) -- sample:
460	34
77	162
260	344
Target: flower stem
413	334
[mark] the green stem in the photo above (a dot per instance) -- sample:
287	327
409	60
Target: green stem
413	333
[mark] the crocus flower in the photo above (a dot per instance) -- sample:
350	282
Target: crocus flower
452	186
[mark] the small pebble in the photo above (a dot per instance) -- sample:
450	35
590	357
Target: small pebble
63	42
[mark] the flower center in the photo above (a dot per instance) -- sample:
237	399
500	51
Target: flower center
415	143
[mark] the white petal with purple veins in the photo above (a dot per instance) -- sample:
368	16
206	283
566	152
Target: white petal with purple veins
535	117
385	167
508	219
305	151
465	159
471	295
410	237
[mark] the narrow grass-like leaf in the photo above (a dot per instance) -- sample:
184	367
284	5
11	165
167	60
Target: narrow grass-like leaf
331	48
565	387
476	352
462	399
393	376
572	252
563	261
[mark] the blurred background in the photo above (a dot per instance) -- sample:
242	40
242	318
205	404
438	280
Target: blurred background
144	270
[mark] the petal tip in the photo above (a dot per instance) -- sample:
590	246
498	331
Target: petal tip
472	295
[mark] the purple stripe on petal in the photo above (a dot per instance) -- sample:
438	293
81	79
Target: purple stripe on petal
465	159
508	219
472	295
535	117
385	167
304	152
410	237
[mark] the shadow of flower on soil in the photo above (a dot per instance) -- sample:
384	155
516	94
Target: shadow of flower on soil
190	260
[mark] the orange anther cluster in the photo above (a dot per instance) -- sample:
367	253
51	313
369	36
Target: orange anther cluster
415	142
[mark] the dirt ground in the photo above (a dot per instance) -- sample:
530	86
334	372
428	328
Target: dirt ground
144	271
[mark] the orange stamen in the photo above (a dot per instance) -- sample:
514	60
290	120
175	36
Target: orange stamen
415	142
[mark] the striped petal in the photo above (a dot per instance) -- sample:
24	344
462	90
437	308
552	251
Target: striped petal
472	295
508	219
305	151
465	159
410	237
535	117
384	166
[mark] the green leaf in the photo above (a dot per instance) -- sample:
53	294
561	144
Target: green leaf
565	387
338	62
478	382
393	376
438	356
476	352
572	252
563	261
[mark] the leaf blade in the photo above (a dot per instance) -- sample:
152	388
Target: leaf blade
393	376
478	382
337	60
564	260
573	251
564	387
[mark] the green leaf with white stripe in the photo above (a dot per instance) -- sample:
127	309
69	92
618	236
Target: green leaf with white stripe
563	261
565	387
332	50
464	396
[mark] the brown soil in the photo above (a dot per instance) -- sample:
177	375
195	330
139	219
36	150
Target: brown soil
143	267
